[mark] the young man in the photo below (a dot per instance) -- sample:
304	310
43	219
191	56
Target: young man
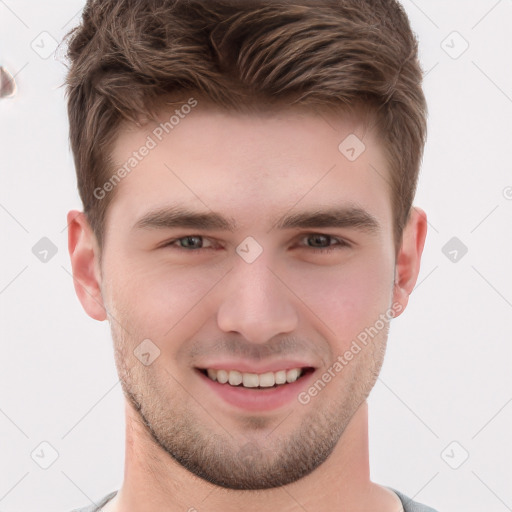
247	171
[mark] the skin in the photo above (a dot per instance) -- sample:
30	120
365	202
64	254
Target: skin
290	302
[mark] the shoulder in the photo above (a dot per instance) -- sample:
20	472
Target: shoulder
96	507
410	505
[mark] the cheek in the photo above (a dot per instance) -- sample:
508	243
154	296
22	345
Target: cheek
159	300
347	299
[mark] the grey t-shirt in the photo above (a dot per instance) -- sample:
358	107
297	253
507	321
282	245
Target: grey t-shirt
408	504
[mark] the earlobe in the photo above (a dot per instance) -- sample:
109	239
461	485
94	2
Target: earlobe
84	254
409	257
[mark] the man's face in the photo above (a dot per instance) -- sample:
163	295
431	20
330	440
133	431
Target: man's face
269	290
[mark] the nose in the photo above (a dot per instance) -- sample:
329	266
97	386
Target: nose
256	303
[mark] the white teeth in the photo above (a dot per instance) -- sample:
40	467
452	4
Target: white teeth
254	380
281	377
292	375
250	380
267	380
222	376
235	378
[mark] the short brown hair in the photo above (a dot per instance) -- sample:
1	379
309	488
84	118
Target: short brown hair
126	56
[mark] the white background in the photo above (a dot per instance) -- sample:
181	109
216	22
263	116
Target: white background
447	374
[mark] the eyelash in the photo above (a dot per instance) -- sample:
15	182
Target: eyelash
341	243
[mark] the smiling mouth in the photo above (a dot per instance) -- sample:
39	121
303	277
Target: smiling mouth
267	380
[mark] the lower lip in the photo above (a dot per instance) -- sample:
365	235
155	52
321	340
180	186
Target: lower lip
258	399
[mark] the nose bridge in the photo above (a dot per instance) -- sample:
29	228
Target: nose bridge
256	304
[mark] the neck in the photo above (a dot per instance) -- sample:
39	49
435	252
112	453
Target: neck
155	482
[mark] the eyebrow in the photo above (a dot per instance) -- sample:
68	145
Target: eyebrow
334	217
180	217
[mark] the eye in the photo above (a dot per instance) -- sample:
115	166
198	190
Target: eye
189	243
324	243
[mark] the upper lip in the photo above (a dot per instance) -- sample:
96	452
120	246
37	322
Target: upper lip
246	367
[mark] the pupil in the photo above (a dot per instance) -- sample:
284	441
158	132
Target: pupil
320	240
189	241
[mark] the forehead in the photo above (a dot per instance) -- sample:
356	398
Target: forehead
250	166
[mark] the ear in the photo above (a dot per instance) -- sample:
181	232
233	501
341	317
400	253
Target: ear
409	257
84	253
